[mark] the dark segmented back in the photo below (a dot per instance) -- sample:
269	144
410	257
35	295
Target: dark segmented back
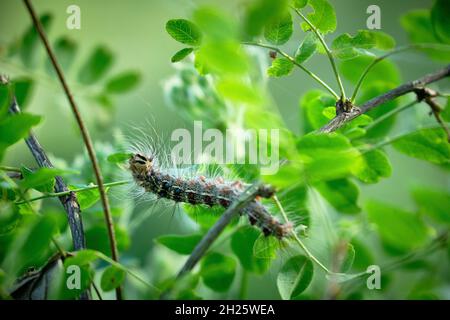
201	190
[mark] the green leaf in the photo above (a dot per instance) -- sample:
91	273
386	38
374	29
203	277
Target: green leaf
363	255
299	3
383	41
279	31
349	258
433	203
87	198
306	48
440	21
419	27
222	58
96	66
81	258
397	228
242	243
375	165
215	24
383	71
123	82
65	50
347	47
43	179
370	91
312	105
86	275
280	67
119	157
14	128
239	91
6	94
327	156
356	128
323	17
445	114
180	55
112	278
294	200
425	144
37	240
97	237
260	12
204	217
265	247
23	88
184	31
180	244
294	277
30	47
342	194
217	271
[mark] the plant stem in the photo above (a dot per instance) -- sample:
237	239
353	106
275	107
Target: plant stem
213	233
123	268
381	58
244	285
300	242
385	116
386	141
327	50
59	194
86	137
10	169
284	54
389	114
411	86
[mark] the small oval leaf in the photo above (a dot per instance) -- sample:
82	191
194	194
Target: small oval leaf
180	55
112	278
184	31
294	277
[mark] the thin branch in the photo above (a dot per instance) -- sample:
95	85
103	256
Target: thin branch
388	54
85	134
66	197
427	95
68	200
345	117
10	169
327	50
389	114
218	227
299	241
284	54
389	140
87	188
386	116
213	233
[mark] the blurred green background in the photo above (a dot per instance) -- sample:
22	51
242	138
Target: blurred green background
135	33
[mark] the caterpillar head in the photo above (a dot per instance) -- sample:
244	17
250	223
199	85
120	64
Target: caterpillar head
140	164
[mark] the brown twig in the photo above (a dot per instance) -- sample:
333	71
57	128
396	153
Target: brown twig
69	201
85	134
233	210
427	95
345	117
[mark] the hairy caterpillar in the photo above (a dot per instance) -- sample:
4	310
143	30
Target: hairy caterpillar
200	190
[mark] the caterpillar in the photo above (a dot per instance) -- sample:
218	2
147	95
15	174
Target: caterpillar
201	190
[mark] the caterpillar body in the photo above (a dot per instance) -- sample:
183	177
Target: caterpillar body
200	190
